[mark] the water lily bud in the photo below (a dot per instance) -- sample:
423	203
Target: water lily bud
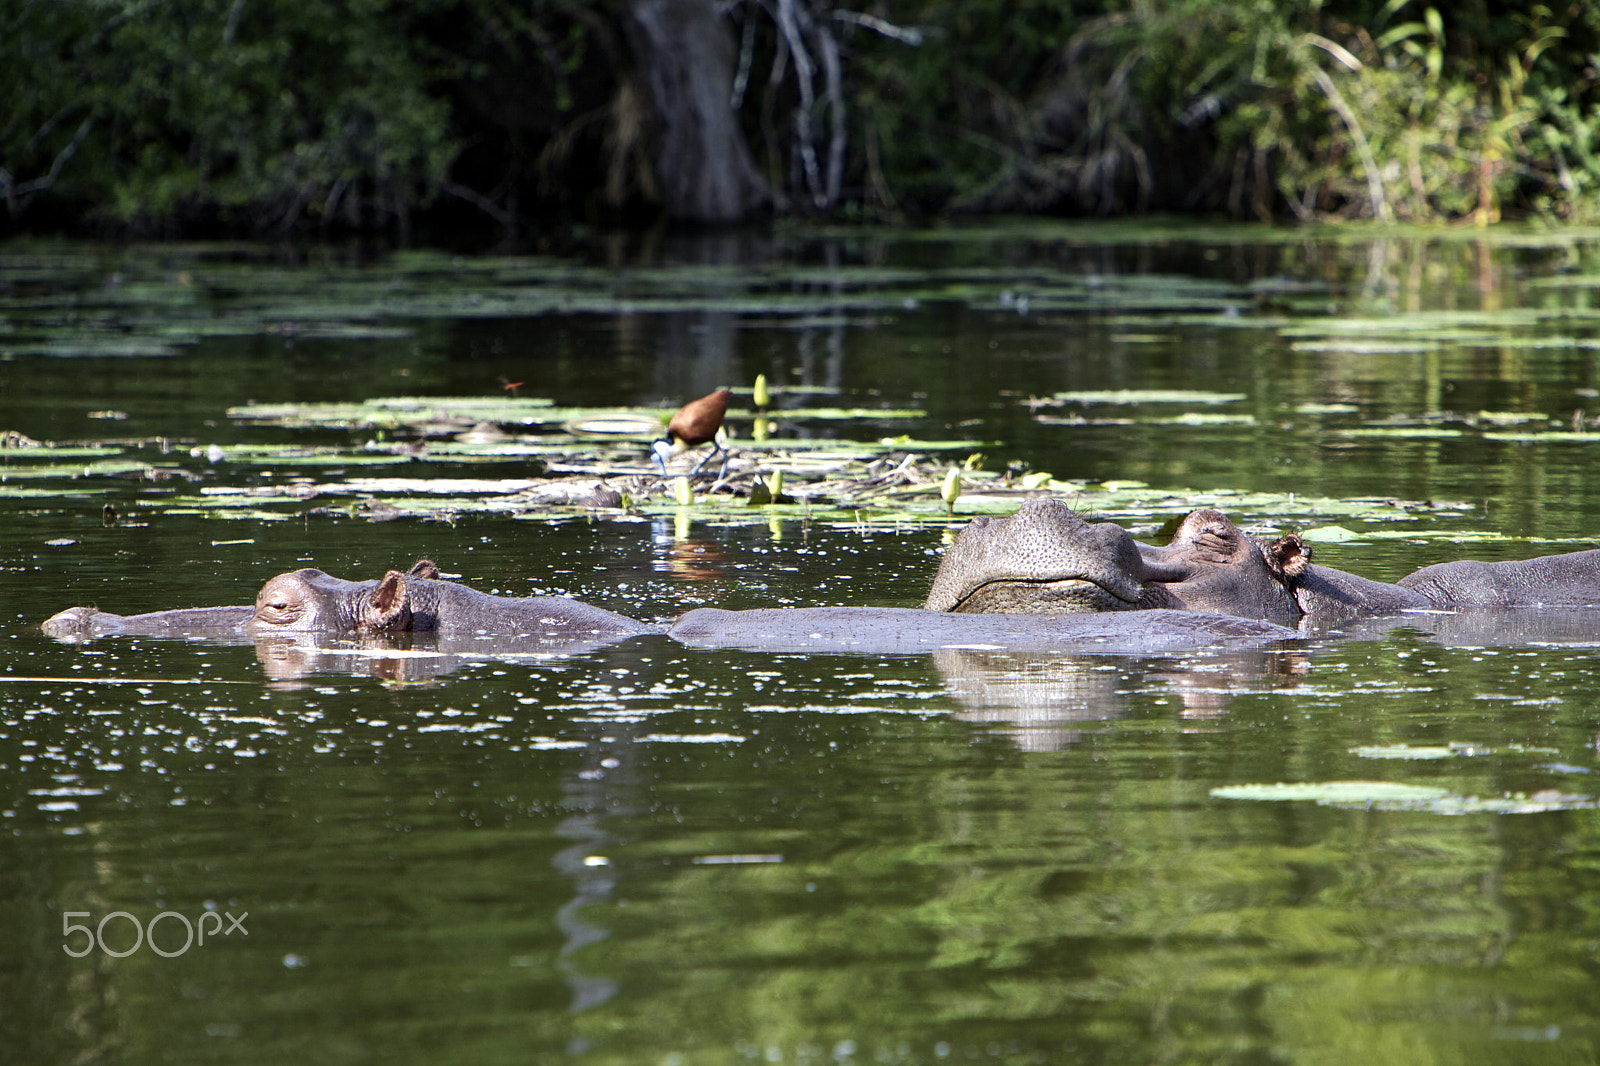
681	492
762	396
952	488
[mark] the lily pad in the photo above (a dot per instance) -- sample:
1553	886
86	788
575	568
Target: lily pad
1413	751
1544	436
1453	750
1138	396
1392	796
614	425
1326	409
1366	347
1329	535
49	451
1420	432
1335	793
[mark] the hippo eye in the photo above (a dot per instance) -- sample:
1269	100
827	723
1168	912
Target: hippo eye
278	606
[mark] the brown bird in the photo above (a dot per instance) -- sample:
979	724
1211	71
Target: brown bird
696	423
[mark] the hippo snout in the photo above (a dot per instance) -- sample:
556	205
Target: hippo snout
1043	559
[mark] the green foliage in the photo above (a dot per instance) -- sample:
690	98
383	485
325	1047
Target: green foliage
1404	111
291	109
281	114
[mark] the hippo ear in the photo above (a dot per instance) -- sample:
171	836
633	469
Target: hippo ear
389	606
1288	557
424	568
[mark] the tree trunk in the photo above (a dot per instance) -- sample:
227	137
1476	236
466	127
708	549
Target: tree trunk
687	55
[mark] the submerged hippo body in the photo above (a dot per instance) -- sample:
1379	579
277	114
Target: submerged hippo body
310	601
1023	563
86	623
893	630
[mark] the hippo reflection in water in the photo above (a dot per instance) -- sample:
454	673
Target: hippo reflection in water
1046	559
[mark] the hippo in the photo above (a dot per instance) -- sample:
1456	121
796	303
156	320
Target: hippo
1047	559
310	601
1212	585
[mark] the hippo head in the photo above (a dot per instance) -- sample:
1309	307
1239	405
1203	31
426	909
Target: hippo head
312	600
1212	565
1042	560
1047	560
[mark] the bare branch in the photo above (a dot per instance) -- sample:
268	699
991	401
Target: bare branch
747	50
1380	206
833	79
478	200
232	25
15	192
913	37
789	26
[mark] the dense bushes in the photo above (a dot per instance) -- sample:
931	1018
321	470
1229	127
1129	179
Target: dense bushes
262	112
1266	108
253	115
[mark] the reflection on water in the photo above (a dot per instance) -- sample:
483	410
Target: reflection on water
696	565
401	658
1038	697
643	852
586	864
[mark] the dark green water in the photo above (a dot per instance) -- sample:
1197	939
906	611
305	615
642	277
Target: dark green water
650	854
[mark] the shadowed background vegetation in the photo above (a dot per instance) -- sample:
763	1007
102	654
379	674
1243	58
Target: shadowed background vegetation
477	118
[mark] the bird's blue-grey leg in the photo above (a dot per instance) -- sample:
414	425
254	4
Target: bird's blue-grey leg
715	448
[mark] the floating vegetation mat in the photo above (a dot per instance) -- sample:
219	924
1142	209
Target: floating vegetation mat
896	483
444	458
139	302
442	415
1153	408
810	455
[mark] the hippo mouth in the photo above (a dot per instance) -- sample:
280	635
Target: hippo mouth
1062	595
